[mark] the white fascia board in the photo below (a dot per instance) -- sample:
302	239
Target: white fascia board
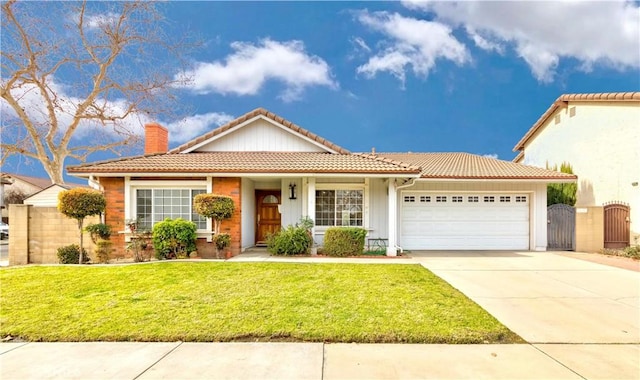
243	124
254	174
516	180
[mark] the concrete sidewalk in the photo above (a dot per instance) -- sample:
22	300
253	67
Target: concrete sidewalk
315	361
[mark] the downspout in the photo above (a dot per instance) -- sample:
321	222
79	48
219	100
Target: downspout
409	183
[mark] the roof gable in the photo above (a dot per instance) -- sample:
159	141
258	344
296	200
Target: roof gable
563	101
259	130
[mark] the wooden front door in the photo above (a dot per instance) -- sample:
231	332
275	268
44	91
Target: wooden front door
267	214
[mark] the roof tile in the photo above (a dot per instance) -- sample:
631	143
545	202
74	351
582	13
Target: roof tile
472	166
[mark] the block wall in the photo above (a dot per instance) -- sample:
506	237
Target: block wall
589	229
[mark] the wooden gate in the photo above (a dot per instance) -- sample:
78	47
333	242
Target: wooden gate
616	225
561	227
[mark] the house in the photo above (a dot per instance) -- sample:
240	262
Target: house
599	135
48	197
277	172
19	185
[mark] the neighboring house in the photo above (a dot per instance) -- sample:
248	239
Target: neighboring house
599	135
27	185
48	197
278	172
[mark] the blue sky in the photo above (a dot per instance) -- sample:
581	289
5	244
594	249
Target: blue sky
401	76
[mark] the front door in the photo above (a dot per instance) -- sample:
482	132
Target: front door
267	215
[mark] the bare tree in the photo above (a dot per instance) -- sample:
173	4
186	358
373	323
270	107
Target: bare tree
82	77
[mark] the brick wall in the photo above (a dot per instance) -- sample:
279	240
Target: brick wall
114	214
231	187
36	233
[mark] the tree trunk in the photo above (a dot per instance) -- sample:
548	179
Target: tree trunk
80	256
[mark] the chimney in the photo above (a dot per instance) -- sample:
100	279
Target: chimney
156	138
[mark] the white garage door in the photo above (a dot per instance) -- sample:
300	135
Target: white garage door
464	221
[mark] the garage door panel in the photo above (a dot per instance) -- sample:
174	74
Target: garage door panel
501	224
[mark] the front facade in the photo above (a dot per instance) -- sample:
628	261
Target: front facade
277	173
599	135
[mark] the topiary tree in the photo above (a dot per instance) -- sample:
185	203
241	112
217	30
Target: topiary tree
564	193
217	207
79	203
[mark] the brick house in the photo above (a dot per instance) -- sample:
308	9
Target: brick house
277	172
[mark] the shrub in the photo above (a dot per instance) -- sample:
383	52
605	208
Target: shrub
139	246
70	254
98	231
344	241
103	251
222	241
632	251
174	238
79	203
292	240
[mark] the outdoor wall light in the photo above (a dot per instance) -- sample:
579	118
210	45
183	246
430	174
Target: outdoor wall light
292	191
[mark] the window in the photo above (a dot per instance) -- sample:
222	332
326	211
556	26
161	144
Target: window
472	199
339	207
505	198
441	198
409	199
456	199
489	198
521	198
425	199
155	205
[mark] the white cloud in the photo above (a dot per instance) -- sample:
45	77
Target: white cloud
411	42
543	33
492	155
89	132
196	125
250	66
359	42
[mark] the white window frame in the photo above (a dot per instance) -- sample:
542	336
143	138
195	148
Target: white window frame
130	201
343	186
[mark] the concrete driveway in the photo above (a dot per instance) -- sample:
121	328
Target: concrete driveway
583	315
545	297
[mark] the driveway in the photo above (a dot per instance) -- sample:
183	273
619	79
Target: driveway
545	297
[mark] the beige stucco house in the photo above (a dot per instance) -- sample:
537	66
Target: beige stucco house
599	135
277	172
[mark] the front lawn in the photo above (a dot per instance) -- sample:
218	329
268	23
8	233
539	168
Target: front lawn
209	301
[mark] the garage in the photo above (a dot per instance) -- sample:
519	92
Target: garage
474	221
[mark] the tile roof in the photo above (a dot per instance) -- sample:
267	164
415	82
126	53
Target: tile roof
35	181
565	98
249	162
472	166
251	115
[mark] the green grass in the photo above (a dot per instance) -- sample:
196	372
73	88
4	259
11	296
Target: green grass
171	301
